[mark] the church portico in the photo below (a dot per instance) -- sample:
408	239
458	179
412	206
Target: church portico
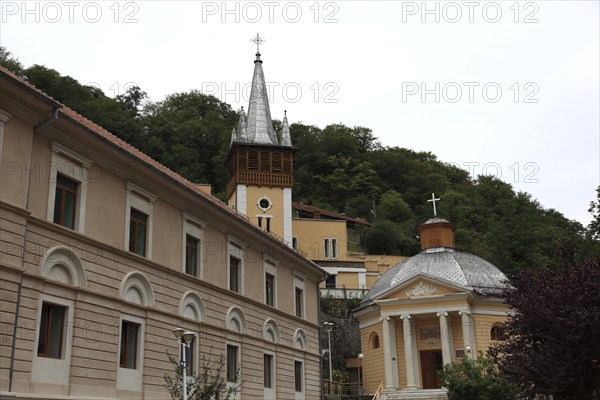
418	342
429	310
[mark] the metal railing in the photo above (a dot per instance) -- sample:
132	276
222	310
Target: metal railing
339	390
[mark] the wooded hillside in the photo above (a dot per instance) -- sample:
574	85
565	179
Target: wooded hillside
339	168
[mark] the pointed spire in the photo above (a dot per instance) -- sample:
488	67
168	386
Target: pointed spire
286	139
259	126
241	135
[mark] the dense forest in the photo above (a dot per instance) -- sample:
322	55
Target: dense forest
339	168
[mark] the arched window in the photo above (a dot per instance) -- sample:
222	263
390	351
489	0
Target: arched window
374	340
235	320
300	341
192	307
498	331
136	288
62	264
271	331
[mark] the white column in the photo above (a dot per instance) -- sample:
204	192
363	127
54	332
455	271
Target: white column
468	334
409	355
445	335
287	216
387	353
394	351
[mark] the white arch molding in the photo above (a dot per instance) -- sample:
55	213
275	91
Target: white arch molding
271	331
300	341
235	320
136	288
62	264
192	307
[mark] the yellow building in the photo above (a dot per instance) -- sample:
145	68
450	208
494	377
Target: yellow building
330	239
103	252
428	311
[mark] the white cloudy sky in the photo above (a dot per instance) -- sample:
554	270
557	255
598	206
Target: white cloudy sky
517	82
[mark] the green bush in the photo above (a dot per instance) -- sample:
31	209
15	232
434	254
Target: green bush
476	380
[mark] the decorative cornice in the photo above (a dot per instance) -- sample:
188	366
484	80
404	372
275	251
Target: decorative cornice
132	187
421	289
4	116
58	148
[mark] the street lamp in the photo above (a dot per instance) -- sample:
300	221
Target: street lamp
360	360
329	327
184	338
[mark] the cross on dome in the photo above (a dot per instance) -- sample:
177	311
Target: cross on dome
258	41
433	200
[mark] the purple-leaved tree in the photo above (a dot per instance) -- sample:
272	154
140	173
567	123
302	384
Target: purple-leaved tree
553	344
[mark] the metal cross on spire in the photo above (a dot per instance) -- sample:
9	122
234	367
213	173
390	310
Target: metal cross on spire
258	41
433	200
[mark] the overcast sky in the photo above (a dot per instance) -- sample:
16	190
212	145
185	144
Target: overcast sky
505	88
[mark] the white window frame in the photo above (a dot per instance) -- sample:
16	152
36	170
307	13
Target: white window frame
142	200
330	248
75	167
264	222
270	393
302	394
239	365
54	370
236	249
128	378
300	284
270	267
193	227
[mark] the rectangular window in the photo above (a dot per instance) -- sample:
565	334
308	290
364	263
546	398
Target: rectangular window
252	160
294	243
232	363
333	248
326	247
129	345
268	371
268	221
298	372
269	289
190	351
51	331
191	255
234	274
299	302
65	201
260	221
138	223
330	282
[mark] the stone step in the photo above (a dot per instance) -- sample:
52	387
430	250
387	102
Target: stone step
419	394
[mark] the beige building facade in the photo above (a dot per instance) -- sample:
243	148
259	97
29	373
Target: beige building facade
103	252
427	311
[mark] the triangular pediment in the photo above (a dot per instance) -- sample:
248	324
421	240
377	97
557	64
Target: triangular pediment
422	285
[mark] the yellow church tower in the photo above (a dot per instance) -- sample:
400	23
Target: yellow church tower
259	165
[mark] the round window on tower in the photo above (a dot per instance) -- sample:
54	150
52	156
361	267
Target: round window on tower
264	203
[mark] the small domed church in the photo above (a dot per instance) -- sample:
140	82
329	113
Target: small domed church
427	311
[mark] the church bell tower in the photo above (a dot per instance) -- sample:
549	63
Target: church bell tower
260	165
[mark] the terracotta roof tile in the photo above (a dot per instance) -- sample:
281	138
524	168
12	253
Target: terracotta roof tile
331	214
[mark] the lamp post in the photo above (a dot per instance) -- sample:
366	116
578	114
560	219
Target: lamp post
329	327
360	360
184	338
